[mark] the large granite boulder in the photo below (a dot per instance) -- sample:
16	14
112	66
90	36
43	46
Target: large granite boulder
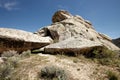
67	27
12	39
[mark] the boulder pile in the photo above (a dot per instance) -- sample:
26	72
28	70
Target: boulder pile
73	34
67	34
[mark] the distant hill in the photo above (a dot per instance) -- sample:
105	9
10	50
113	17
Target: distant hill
116	42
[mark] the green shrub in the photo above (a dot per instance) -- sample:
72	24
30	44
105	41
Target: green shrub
75	60
52	73
104	56
102	52
5	71
7	67
13	61
26	54
9	53
112	76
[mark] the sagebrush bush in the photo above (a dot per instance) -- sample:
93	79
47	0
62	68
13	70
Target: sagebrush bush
52	73
13	61
10	63
101	53
5	71
104	56
112	75
7	67
9	53
25	54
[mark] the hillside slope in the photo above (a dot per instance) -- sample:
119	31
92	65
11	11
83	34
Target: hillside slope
48	67
116	42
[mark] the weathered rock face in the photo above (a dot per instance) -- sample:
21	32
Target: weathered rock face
60	15
66	27
11	39
116	42
73	46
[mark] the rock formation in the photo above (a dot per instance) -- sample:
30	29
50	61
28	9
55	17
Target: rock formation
68	34
11	39
61	15
73	46
65	26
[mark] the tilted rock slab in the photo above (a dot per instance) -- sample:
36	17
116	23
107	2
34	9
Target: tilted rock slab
64	27
12	39
73	46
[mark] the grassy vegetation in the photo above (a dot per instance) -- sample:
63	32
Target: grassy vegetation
11	59
112	76
7	67
5	71
53	73
20	65
101	56
108	58
104	56
9	53
25	54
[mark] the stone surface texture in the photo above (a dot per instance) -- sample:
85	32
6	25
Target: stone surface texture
64	28
19	40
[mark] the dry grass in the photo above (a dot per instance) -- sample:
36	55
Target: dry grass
27	66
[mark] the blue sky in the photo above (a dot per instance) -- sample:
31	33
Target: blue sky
30	15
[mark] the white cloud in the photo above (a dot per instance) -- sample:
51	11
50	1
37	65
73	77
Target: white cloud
9	5
63	7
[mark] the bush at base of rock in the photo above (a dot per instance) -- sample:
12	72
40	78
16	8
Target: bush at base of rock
9	53
104	56
102	52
